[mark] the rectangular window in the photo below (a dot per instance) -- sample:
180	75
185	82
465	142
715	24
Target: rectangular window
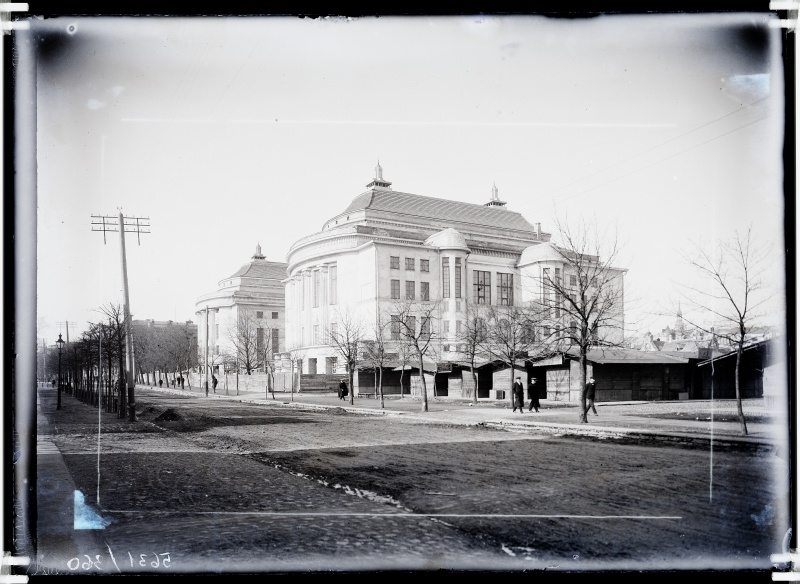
394	262
316	334
425	327
395	289
482	287
505	289
424	291
546	331
458	278
458	327
334	283
446	326
446	348
395	327
316	288
424	265
410	288
409	263
275	340
558	276
259	314
334	331
445	277
411	325
259	340
573	280
274	316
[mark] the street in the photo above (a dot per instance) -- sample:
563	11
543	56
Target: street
221	486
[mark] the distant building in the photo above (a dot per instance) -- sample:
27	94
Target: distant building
387	247
253	292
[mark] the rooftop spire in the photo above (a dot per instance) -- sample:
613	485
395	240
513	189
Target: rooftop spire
495	201
257	255
378	182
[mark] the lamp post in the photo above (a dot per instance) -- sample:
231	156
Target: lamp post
60	342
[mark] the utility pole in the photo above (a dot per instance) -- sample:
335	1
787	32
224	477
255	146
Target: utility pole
205	370
136	225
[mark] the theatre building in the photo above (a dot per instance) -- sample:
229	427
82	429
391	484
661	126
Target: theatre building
387	249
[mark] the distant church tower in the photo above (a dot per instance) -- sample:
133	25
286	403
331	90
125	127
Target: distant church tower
378	182
680	327
495	200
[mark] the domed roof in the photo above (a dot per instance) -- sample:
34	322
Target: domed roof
447	239
541	252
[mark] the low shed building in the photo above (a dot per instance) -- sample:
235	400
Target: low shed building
620	375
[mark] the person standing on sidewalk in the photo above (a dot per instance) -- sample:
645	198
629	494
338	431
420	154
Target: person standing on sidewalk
590	397
519	396
533	395
342	389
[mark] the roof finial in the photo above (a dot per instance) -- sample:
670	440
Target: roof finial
379	181
495	201
257	255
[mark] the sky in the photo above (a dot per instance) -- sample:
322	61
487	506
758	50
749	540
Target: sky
231	132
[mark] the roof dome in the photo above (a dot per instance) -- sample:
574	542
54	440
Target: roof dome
447	239
541	252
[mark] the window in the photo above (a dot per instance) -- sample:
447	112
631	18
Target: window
482	287
334	284
394	262
505	289
573	280
547	331
424	265
275	342
558	276
446	326
409	263
274	316
334	331
316	334
425	327
445	277
446	348
395	327
573	329
395	289
458	277
316	288
259	314
411	325
410	288
259	340
458	327
424	291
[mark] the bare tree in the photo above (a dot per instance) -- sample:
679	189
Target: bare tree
404	356
511	336
582	303
243	334
375	353
473	340
346	335
407	313
731	289
115	323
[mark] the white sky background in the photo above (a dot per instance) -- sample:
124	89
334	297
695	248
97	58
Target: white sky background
235	131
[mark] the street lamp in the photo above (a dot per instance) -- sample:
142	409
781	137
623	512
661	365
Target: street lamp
60	343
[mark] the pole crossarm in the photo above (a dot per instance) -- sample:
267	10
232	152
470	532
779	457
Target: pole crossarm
105	223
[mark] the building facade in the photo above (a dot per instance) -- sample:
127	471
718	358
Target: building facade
388	251
244	318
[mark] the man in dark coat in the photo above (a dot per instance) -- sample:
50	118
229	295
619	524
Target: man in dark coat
519	396
342	389
533	395
590	397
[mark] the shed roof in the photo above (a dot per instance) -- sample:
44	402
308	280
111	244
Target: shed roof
262	269
607	356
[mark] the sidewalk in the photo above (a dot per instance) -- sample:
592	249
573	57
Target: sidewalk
681	421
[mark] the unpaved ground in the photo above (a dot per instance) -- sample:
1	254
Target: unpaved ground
490	495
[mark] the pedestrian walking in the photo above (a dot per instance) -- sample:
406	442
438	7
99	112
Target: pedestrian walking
342	389
160	382
533	395
214	383
519	396
590	397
